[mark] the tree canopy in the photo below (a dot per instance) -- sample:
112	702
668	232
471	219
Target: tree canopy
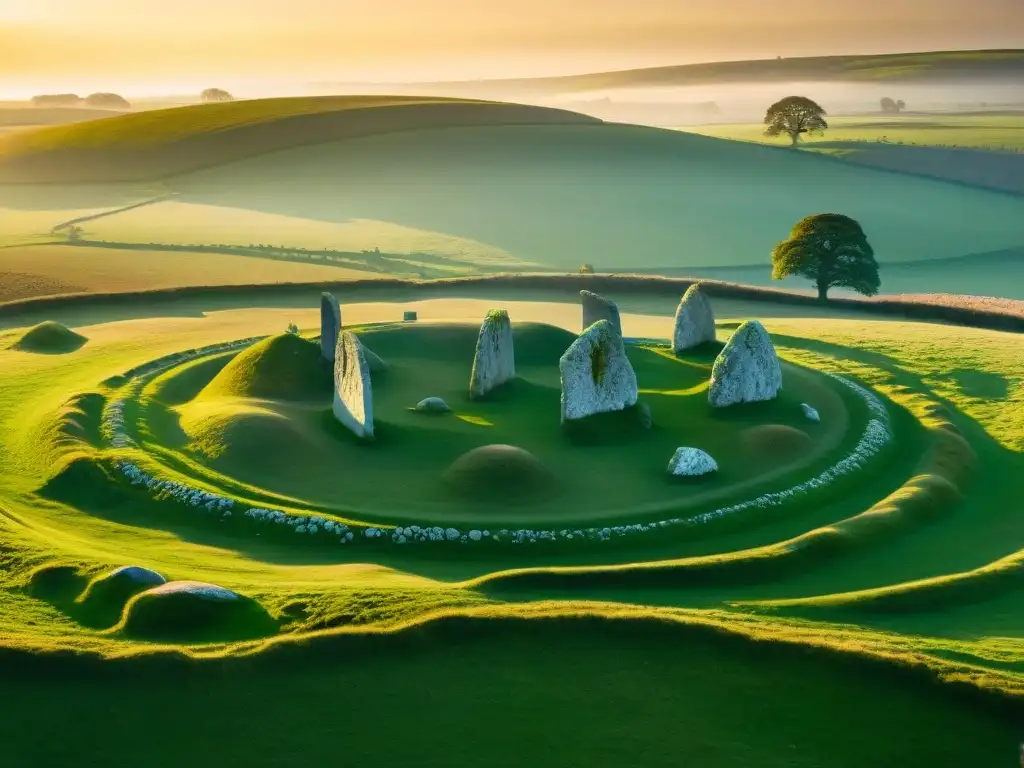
56	100
794	116
107	101
830	249
891	106
216	94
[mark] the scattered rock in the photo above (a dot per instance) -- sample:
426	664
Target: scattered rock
330	325
433	405
694	321
138	575
408	317
597	377
599	308
353	392
810	413
747	370
494	362
691	462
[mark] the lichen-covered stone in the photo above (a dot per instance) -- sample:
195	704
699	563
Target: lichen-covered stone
694	321
747	370
433	405
494	362
599	308
330	325
810	413
353	392
597	377
691	462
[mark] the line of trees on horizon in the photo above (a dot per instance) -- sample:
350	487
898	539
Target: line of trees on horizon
94	100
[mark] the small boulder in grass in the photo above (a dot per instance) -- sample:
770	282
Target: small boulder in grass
691	462
811	414
433	405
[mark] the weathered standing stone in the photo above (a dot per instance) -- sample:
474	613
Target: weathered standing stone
597	377
353	392
374	361
691	462
330	325
494	362
599	308
747	370
694	322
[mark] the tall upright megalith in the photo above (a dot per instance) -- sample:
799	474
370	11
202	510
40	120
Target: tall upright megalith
599	308
330	325
597	377
494	362
694	321
747	370
353	392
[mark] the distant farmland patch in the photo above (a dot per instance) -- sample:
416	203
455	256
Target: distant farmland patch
46	270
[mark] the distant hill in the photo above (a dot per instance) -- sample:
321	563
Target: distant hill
898	68
161	143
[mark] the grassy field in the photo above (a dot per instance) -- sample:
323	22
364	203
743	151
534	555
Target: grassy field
995	131
159	143
515	197
876	625
46	270
890	69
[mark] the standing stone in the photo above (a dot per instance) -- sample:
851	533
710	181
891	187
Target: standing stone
408	317
495	361
747	370
810	412
353	393
691	462
695	322
597	377
599	308
330	325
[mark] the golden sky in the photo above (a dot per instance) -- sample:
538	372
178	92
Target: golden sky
169	43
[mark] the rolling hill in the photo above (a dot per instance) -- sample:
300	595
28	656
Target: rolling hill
166	142
890	69
512	188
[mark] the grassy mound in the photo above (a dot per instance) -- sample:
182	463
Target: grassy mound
193	611
776	443
165	142
50	338
103	599
78	420
499	474
282	367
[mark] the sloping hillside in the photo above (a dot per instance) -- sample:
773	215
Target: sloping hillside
165	142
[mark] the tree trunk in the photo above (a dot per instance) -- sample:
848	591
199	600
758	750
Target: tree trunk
795	136
822	291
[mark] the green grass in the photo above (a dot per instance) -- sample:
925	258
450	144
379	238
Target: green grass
278	393
796	664
165	142
985	131
671	209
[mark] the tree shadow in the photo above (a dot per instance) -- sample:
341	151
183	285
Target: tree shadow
984	385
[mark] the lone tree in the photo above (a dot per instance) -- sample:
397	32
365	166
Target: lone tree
587	269
830	249
890	106
793	116
216	94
